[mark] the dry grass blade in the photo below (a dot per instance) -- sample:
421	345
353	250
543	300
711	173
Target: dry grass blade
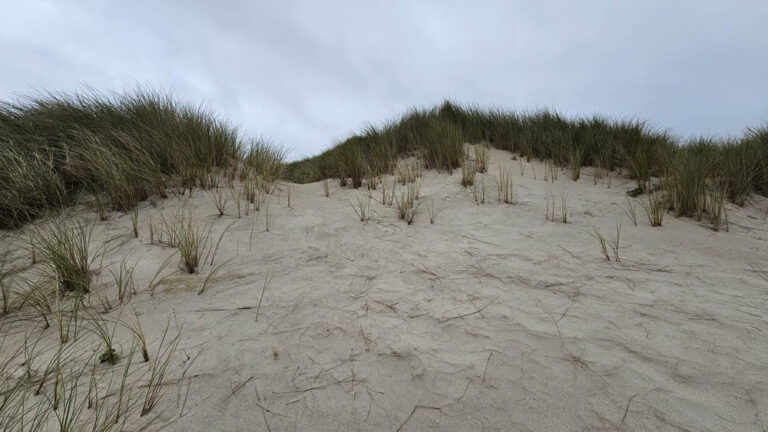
267	215
550	212
504	190
388	192
101	328
38	297
235	196
211	275
630	211
478	191
123	277
616	241
134	216
158	369
564	208
716	208
432	211
603	243
7	274
157	278
138	334
267	281
212	252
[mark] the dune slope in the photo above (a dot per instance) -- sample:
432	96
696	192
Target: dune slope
492	318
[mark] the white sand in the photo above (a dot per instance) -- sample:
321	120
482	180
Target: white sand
490	319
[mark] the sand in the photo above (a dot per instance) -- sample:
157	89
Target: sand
491	319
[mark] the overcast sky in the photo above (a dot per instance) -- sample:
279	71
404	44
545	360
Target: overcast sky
305	73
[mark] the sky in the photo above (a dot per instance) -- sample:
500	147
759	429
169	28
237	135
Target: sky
305	74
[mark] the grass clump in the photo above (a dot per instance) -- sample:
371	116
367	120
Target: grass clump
350	166
504	189
686	176
189	237
362	209
602	241
613	243
265	159
157	370
716	208
482	156
134	325
121	147
39	298
408	171
552	206
478	191
631	211
101	328
468	172
407	202
219	200
655	208
66	251
564	208
123	277
575	161
432	210
442	144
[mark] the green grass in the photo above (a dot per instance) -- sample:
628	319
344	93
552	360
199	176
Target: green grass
157	370
184	232
646	153
264	158
122	147
657	205
66	251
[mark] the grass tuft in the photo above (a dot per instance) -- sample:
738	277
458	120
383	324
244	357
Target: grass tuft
505	188
362	209
123	277
406	202
630	211
158	369
184	233
120	147
655	208
66	251
468	172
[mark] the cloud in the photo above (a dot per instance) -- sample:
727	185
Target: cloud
305	73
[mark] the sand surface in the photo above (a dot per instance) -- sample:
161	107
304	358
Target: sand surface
491	319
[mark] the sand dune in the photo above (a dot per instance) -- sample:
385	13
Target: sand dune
493	318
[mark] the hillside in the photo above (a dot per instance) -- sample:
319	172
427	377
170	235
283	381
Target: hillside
497	316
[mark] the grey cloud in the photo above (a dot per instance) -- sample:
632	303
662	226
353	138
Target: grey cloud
306	72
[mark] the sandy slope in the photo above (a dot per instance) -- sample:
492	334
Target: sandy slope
490	319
